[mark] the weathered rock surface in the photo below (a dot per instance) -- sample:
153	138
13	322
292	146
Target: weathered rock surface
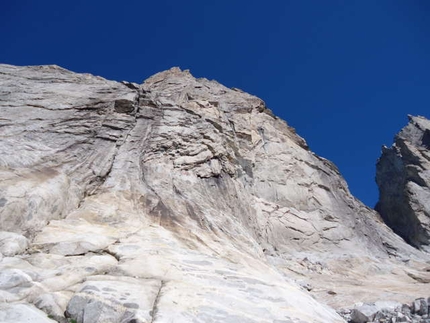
179	200
368	312
14	313
381	312
112	298
12	243
403	177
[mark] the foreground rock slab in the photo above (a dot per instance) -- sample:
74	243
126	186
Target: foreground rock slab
114	299
22	313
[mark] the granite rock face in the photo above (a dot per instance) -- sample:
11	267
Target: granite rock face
403	177
178	200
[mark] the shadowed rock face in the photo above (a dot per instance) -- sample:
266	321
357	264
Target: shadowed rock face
178	200
403	177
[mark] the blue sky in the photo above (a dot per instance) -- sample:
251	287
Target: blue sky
345	74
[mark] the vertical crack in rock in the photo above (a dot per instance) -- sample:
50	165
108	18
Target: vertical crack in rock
121	106
154	310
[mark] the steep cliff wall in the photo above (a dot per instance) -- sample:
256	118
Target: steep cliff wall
403	177
178	200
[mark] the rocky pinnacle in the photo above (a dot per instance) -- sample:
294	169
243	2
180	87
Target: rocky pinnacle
403	178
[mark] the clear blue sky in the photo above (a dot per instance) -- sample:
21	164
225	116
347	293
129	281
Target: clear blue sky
345	74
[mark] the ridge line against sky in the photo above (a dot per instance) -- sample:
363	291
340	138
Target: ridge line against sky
344	74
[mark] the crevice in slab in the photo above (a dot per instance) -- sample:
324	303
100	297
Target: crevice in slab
154	310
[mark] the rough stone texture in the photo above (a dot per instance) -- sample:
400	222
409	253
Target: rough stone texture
403	177
12	244
196	194
368	312
114	299
382	312
22	313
